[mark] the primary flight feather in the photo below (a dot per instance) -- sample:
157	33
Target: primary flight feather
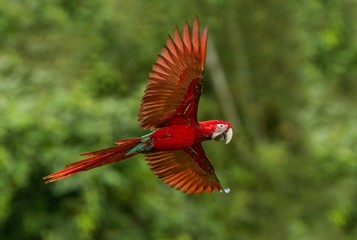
168	108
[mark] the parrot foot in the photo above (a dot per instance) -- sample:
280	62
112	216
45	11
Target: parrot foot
226	190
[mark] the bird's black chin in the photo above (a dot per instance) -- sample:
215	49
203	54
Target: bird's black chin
221	137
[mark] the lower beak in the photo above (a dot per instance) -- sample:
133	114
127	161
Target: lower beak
225	136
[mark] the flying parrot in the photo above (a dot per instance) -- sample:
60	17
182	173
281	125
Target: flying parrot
168	108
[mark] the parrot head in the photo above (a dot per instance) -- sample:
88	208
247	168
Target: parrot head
219	130
223	132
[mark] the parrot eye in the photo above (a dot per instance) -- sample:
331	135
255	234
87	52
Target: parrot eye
220	125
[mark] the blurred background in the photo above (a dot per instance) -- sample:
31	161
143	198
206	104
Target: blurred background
72	74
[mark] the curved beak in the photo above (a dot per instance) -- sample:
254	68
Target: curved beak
224	136
228	134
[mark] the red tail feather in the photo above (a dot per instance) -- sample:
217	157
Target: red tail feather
96	159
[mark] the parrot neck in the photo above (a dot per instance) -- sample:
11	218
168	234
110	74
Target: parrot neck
205	130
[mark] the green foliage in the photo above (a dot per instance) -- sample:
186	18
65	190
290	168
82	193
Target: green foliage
72	74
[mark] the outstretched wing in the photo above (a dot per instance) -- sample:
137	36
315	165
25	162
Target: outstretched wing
175	82
188	170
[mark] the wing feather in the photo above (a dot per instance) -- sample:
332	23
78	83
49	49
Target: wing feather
188	170
187	37
174	85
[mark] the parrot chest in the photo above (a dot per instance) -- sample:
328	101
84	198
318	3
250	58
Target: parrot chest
173	137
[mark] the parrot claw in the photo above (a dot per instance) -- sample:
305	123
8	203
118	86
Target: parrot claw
226	190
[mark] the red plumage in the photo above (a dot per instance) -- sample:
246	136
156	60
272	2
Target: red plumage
173	149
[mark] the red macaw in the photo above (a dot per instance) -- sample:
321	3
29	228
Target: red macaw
173	148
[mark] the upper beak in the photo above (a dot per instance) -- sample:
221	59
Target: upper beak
225	136
228	134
